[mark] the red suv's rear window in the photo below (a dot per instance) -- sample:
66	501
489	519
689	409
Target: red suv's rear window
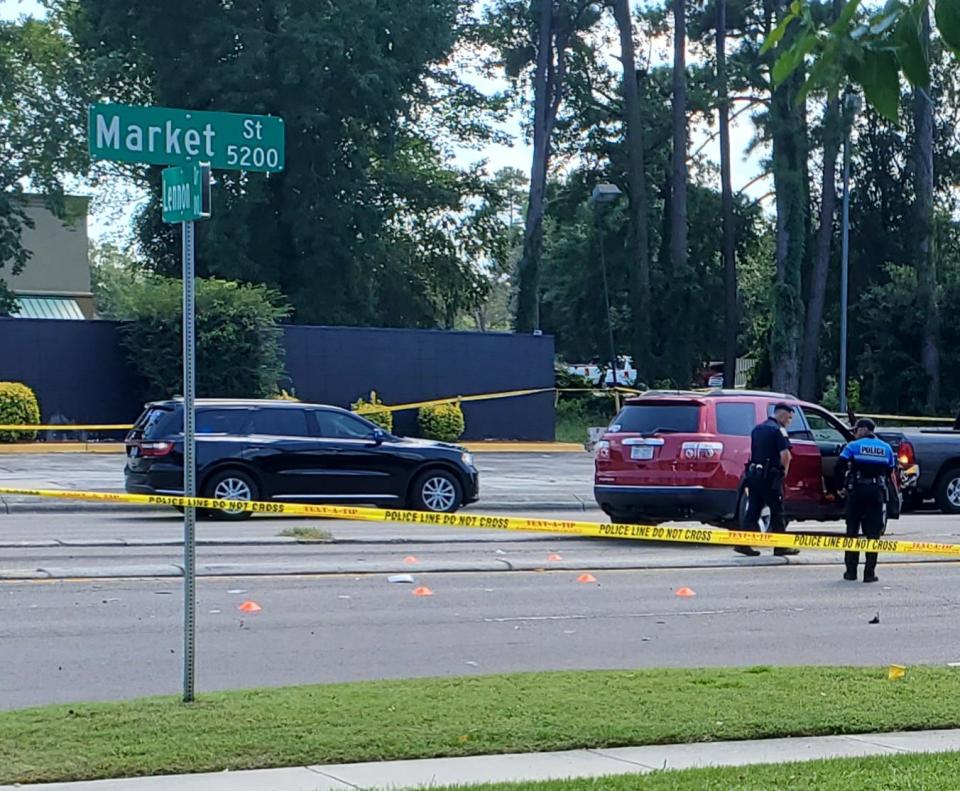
736	419
657	418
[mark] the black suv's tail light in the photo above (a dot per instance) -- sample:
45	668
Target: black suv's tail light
153	450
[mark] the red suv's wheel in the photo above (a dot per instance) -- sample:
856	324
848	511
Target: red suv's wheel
742	513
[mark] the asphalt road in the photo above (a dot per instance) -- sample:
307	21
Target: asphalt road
110	639
119	636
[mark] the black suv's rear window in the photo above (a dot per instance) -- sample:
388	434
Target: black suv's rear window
157	422
280	422
222	421
652	418
160	422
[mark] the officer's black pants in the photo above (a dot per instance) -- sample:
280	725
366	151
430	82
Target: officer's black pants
865	505
765	491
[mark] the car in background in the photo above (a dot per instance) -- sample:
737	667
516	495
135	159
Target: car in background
933	458
681	456
602	376
295	452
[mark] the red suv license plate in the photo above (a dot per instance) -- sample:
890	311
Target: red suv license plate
641	452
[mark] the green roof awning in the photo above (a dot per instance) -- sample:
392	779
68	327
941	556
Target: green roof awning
48	308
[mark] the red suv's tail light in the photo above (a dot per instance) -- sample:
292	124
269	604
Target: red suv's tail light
905	454
153	450
602	450
701	451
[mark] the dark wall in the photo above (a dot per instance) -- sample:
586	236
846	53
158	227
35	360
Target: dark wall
338	364
76	368
79	371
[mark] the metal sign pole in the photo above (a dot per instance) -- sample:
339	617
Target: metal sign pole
189	465
228	141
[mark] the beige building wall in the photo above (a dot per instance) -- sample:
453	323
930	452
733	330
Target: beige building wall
59	264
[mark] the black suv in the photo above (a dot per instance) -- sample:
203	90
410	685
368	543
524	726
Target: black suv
294	452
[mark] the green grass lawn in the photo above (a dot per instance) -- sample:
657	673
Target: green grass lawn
423	718
938	772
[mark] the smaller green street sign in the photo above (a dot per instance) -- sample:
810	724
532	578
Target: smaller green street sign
186	193
169	136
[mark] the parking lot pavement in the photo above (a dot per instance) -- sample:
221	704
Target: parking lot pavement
508	481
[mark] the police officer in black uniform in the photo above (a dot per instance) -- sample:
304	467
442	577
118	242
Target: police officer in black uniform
865	464
766	471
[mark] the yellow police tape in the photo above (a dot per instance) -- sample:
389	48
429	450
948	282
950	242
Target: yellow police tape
363	410
63	427
367	409
911	418
666	533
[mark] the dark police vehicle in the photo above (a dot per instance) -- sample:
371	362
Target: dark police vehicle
294	452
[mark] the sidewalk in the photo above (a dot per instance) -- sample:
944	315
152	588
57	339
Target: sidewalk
532	766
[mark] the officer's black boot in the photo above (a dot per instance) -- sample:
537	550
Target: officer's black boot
851	560
870	568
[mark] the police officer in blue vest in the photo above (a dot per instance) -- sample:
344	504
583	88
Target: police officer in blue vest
865	464
769	462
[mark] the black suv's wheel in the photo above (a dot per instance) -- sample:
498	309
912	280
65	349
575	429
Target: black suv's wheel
948	491
438	491
231	485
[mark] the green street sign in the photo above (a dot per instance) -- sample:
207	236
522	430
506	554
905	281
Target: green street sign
186	193
165	136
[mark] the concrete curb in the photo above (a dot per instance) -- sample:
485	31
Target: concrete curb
61	447
72	507
27	506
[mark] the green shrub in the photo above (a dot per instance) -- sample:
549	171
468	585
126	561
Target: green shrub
442	422
574	415
239	351
831	395
18	406
368	409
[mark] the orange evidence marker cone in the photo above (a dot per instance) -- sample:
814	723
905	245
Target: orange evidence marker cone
686	592
586	578
422	591
554	557
409	559
250	606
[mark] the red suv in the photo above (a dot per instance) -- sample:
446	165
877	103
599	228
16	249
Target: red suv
681	456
